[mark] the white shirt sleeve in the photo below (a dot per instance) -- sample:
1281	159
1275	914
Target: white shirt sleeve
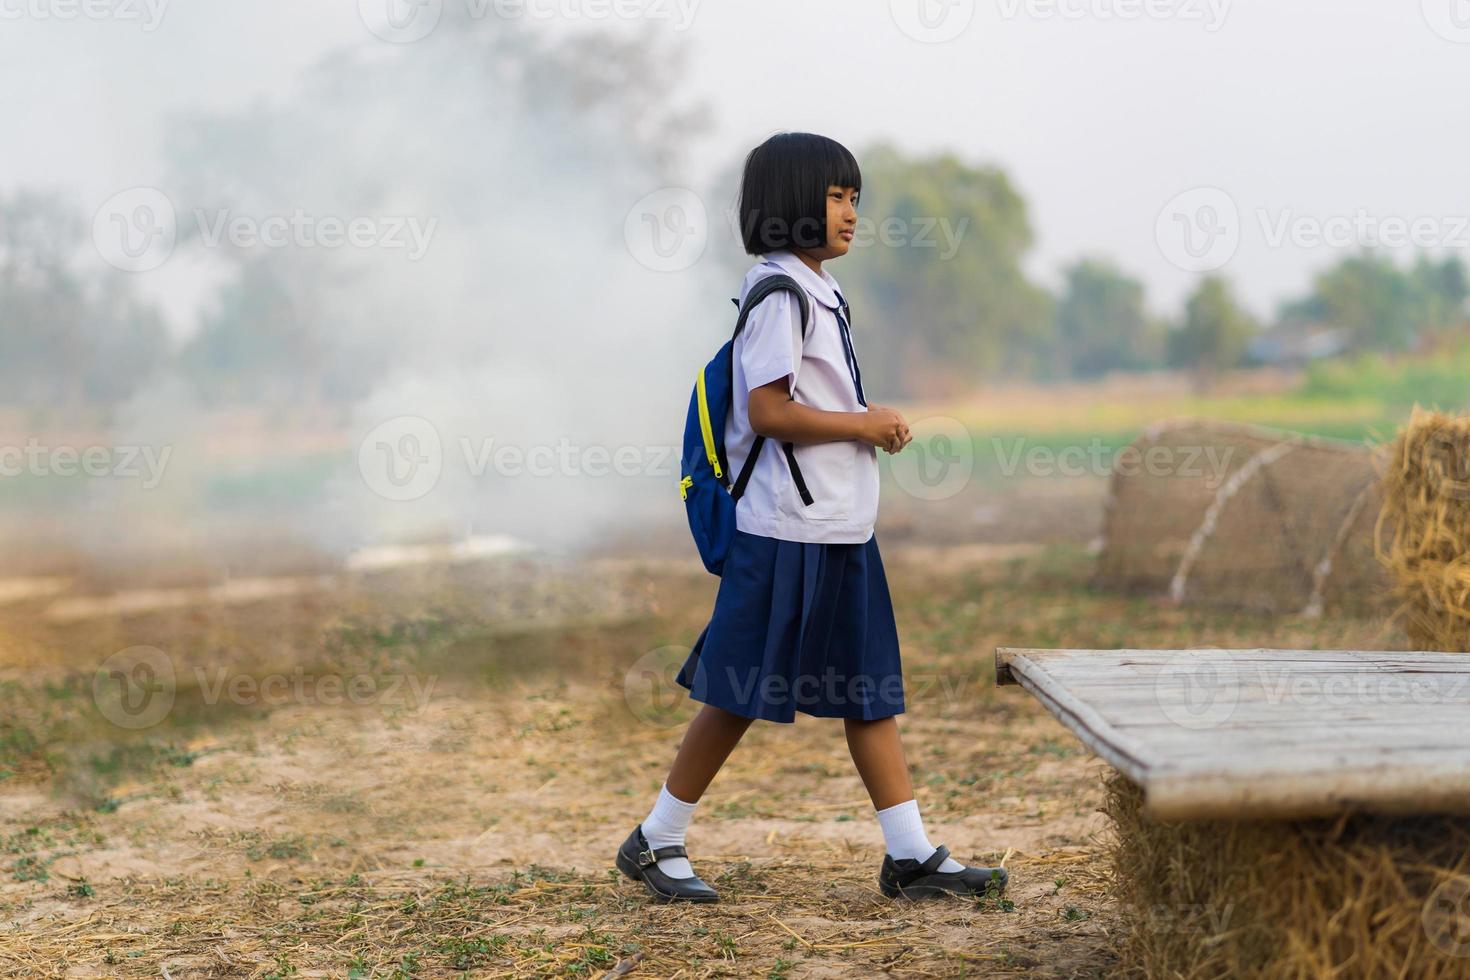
770	344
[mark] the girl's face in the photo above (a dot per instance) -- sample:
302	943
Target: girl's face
841	223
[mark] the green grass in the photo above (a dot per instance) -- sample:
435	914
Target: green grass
1003	455
1441	381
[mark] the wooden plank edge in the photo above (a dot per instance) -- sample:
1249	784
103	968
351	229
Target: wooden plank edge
1391	788
1003	675
1250	655
1091	729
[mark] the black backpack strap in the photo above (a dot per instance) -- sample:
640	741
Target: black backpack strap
738	490
766	287
806	495
758	292
755	450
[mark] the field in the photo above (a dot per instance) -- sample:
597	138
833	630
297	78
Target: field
512	720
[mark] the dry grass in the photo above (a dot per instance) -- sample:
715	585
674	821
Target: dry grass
1357	896
785	916
472	834
477	830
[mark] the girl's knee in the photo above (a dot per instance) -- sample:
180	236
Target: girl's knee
723	717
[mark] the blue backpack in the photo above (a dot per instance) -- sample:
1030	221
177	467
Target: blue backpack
705	485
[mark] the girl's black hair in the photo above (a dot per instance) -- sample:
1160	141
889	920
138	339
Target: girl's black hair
783	193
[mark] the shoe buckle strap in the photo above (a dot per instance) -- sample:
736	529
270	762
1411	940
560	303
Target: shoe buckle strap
651	855
929	867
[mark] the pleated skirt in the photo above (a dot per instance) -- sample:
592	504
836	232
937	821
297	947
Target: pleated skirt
802	627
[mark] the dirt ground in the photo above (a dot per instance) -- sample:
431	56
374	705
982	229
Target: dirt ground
460	819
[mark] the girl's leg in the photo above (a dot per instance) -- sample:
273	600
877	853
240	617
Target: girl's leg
877	751
708	742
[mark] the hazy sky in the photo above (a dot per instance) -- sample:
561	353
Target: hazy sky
1311	116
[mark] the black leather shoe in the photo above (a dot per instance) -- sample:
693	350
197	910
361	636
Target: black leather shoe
640	862
907	878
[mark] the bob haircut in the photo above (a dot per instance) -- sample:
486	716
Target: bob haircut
783	193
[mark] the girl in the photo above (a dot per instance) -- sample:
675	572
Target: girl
802	620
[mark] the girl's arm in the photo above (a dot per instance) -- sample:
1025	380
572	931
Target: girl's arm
775	415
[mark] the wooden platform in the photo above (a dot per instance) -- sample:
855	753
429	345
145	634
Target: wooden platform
1241	734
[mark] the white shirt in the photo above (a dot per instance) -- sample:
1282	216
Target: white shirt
841	476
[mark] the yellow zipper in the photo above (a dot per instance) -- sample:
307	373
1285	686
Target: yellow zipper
705	427
684	486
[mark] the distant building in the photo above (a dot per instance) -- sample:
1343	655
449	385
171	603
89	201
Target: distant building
1297	343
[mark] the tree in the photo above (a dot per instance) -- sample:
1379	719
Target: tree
935	280
1382	306
1214	333
1369	296
1101	323
1441	289
70	333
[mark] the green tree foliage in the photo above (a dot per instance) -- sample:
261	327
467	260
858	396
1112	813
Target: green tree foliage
71	332
936	270
1442	288
1214	333
1101	323
1382	306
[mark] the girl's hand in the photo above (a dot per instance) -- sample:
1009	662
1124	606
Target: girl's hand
885	428
904	430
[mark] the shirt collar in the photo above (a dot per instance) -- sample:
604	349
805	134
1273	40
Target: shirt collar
820	285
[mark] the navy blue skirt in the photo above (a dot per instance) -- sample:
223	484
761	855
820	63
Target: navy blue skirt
799	627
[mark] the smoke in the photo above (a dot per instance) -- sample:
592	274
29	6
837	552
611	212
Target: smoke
424	317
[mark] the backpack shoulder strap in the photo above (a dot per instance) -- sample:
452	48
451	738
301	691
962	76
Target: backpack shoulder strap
765	287
758	292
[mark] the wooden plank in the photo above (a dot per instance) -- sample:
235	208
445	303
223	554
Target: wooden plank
1265	672
1085	723
1297	733
1253	756
1115	657
1265	718
1391	698
1387	788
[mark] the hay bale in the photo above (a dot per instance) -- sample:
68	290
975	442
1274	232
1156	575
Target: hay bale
1245	517
1356	896
1423	534
1150	512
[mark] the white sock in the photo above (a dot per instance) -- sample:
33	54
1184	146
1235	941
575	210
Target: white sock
664	826
903	835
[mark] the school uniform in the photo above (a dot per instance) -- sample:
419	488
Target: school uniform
803	620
